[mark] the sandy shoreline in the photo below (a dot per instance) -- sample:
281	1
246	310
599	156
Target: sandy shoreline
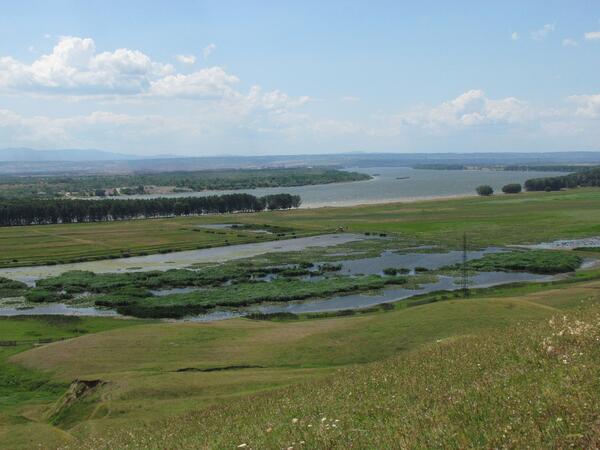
363	202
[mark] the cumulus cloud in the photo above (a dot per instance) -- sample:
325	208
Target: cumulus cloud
542	33
206	83
592	36
75	67
569	42
187	107
186	59
470	109
207	51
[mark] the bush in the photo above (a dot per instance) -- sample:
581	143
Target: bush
42	296
484	190
272	316
326	267
512	188
6	283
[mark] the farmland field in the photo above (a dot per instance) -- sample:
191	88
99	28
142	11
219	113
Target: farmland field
498	220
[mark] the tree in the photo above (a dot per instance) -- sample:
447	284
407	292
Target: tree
484	190
512	188
584	177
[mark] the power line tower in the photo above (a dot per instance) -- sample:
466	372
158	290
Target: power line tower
465	270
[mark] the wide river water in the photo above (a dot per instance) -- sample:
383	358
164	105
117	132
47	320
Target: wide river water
390	184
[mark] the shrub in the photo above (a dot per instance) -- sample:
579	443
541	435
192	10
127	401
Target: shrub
42	296
512	188
484	190
272	316
6	283
326	267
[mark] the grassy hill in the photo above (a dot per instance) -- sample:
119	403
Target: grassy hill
534	387
464	372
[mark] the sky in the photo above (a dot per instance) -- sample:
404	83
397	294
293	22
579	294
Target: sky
204	78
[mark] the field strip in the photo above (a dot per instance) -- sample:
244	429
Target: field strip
71	238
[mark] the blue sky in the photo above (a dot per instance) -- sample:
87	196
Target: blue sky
206	78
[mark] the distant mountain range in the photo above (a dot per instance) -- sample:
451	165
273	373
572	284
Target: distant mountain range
32	155
91	161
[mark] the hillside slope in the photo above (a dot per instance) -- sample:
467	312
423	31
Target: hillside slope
456	373
535	386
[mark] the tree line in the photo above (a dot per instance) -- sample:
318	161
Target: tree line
546	167
588	177
15	212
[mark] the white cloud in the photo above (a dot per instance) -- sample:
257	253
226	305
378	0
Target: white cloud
470	109
514	36
205	83
75	67
592	36
543	32
569	42
186	59
350	99
75	70
207	51
185	108
246	122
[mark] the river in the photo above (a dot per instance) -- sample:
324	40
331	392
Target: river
388	185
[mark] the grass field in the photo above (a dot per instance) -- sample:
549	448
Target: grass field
519	387
497	220
21	246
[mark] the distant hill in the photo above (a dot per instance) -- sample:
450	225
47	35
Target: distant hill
31	155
